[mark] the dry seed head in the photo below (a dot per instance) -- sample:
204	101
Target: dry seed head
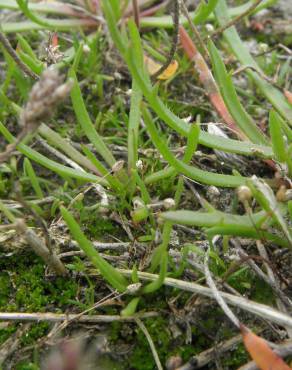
45	95
118	166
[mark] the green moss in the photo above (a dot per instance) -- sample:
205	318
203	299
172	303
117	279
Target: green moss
35	332
245	280
234	359
142	357
25	365
6	332
28	290
98	226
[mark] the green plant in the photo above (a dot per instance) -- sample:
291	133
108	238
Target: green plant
114	161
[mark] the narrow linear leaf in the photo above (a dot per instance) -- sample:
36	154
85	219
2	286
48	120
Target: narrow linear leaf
24	45
131	307
36	67
192	142
219	223
133	126
194	173
33	178
204	10
210	219
23	5
86	124
230	97
156	284
50	164
114	277
55	24
278	142
208	82
61	143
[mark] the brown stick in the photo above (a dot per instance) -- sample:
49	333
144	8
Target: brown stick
176	13
39	247
136	12
12	343
195	31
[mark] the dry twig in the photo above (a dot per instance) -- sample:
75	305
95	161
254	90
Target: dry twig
258	309
151	344
216	293
276	289
136	12
39	247
205	357
12	343
56	317
176	13
283	302
195	31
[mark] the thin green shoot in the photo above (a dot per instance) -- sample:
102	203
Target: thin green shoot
29	171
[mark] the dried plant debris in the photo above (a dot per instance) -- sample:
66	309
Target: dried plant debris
43	99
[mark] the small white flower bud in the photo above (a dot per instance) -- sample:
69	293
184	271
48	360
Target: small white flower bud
86	49
263	48
138	203
188	119
139	165
168	203
244	193
209	27
133	288
117	76
213	192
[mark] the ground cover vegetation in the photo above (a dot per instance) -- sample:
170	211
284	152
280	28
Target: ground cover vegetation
145	183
